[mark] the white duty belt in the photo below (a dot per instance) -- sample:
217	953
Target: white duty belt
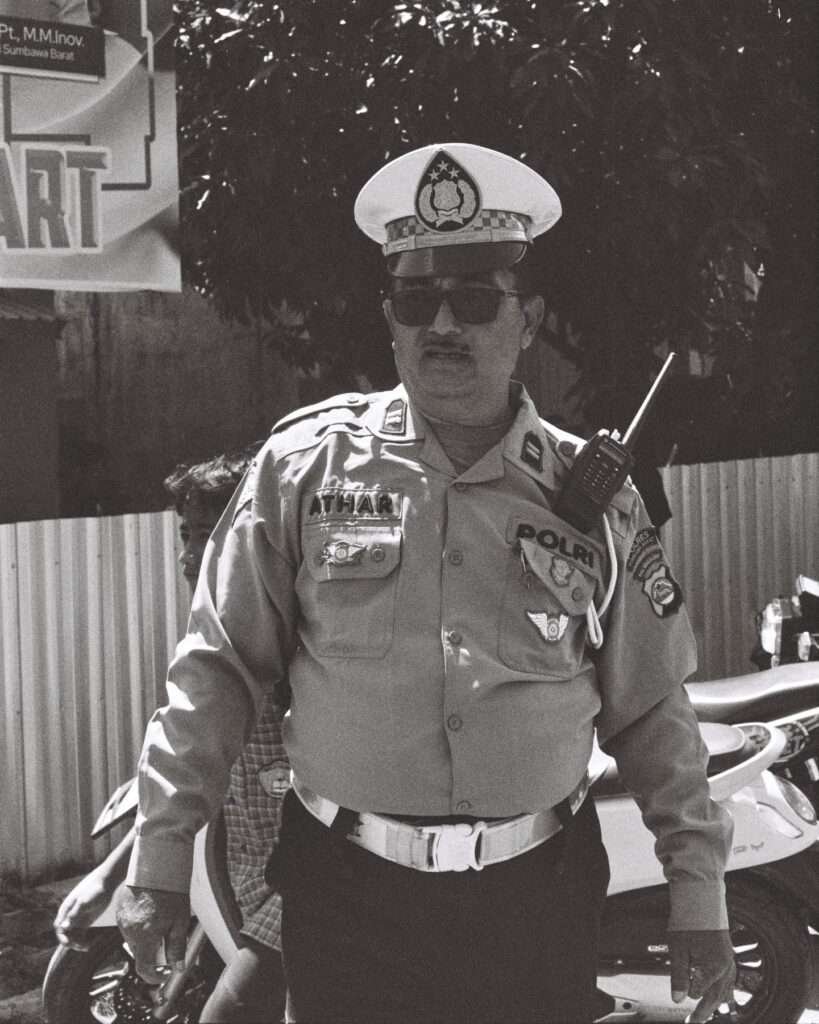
445	847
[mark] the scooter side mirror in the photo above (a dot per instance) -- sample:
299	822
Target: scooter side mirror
122	804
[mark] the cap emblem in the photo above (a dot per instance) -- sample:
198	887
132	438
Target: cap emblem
447	198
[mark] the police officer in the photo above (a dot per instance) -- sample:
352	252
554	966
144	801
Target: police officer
452	645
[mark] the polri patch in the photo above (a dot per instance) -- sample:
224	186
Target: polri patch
332	503
556	541
647	565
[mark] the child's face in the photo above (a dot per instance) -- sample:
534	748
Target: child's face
195	526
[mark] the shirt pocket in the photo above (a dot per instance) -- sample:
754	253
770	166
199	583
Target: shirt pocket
346	587
543	612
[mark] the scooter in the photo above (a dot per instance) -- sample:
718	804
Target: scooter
772	885
786	696
773	824
788	627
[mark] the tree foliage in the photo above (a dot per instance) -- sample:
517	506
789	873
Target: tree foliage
680	135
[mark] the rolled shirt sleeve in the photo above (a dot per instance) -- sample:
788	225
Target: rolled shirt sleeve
239	639
646	722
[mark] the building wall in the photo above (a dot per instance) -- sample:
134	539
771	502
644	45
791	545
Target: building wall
28	420
148	380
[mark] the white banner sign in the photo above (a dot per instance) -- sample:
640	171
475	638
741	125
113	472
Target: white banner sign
88	160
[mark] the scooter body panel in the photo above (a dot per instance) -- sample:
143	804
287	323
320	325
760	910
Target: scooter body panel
765	829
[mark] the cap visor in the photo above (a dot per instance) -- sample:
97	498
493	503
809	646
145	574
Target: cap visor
451	260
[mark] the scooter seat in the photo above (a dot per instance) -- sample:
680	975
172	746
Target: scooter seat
727	745
757	696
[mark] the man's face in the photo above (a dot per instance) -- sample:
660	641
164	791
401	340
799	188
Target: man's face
458	370
195	526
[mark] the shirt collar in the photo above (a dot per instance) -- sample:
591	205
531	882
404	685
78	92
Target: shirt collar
530	445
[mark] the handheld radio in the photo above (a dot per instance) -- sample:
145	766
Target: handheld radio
602	466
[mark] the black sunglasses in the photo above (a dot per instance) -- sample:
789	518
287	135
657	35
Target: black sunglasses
418	307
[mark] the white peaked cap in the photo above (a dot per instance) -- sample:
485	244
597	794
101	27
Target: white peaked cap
453	207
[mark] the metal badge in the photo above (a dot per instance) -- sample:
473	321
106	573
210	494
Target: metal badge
447	199
341	553
561	572
550	627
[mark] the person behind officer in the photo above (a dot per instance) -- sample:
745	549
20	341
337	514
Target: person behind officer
251	987
451	649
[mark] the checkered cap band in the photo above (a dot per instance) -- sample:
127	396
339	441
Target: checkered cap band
489	226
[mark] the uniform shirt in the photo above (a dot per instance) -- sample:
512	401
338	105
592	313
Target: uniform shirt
433	629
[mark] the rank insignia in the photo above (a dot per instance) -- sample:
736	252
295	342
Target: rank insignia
447	198
341	553
395	417
532	451
550	627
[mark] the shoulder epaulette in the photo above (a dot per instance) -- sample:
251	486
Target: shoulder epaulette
350	400
566	444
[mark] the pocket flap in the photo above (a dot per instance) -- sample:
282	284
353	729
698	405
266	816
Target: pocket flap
352	552
571	587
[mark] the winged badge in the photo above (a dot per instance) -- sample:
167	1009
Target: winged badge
550	627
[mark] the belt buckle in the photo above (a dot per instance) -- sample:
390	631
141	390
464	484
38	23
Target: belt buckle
455	847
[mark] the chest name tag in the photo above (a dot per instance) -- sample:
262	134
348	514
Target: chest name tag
339	503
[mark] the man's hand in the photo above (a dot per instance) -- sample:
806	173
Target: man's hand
146	918
79	909
702	967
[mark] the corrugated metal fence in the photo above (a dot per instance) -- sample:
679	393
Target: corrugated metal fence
90	610
740	534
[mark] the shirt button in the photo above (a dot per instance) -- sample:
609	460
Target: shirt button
378	554
460	487
577	594
456	557
463	806
454	722
453	637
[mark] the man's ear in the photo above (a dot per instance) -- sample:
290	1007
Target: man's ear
533	312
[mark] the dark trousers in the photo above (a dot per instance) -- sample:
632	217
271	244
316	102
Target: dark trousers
366	940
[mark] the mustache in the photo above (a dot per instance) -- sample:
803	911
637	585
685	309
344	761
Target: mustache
444	343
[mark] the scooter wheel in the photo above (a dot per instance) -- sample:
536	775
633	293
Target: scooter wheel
101	986
773	955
